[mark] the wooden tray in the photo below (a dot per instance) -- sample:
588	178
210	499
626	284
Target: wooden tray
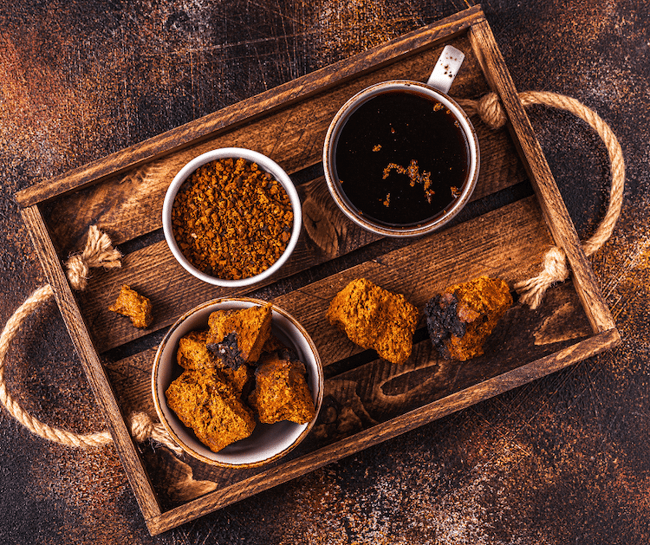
367	400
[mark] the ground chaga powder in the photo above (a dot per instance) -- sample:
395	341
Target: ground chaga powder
231	219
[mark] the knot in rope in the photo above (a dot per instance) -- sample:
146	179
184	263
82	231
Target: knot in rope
143	428
98	252
491	112
488	108
554	269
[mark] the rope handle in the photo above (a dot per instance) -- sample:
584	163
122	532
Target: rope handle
555	268
99	252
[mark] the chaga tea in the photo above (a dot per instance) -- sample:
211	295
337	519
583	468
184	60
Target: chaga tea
401	158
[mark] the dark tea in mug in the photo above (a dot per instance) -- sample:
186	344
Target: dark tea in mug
401	158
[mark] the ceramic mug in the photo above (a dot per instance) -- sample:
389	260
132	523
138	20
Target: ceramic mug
401	158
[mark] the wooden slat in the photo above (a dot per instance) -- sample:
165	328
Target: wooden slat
180	291
374	392
251	108
130	204
507	242
557	216
383	432
378	391
517	236
94	371
123	193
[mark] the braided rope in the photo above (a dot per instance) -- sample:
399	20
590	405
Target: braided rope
98	253
555	268
40	296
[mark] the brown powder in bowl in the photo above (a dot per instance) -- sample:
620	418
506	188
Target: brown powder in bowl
231	219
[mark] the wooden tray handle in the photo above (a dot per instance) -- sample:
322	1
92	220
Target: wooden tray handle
99	252
555	268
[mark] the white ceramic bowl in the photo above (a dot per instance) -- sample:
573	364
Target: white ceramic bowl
268	441
266	164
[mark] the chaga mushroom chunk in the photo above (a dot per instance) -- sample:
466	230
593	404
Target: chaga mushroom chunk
238	336
373	317
137	307
208	405
281	392
460	319
193	354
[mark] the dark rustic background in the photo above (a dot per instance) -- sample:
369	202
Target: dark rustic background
563	460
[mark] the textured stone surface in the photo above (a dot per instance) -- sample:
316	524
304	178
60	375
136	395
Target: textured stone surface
565	459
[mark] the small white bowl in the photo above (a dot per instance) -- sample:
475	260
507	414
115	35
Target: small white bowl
268	442
266	164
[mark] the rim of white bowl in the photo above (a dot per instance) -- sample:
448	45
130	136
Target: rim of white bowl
268	165
201	452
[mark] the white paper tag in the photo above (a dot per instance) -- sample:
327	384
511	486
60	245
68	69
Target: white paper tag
446	69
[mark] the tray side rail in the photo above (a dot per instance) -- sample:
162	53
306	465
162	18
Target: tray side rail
383	432
250	109
94	371
553	207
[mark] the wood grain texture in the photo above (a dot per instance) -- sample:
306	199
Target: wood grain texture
94	371
383	432
327	234
247	110
368	400
128	205
544	184
506	243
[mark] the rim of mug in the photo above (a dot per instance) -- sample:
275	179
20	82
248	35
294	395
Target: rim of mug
334	185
